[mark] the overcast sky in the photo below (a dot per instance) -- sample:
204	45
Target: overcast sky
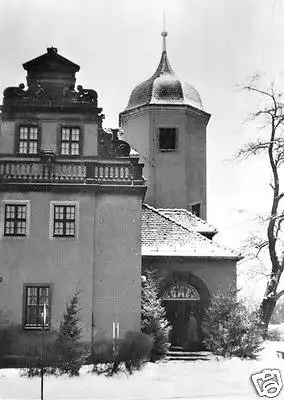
214	45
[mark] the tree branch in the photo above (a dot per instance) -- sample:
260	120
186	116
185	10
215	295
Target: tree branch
279	294
272	110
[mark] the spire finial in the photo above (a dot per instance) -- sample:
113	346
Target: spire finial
164	33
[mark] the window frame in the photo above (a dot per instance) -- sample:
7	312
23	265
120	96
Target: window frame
176	139
27	326
28	125
14	202
53	204
80	141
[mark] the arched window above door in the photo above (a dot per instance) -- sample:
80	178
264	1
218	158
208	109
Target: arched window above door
181	291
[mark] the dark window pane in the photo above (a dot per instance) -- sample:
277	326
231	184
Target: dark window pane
195	209
167	138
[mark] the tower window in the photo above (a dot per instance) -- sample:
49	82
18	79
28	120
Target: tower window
196	209
167	139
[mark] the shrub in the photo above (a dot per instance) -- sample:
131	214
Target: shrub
273	335
32	352
22	349
102	351
153	317
68	346
9	335
63	351
66	353
130	353
278	313
230	329
135	350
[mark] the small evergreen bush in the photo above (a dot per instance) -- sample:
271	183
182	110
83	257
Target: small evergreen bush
135	350
131	353
230	329
63	352
153	317
66	353
102	352
71	352
8	336
22	349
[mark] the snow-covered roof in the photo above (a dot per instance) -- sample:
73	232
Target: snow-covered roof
162	236
188	220
164	87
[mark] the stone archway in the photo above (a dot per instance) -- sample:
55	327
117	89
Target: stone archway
184	297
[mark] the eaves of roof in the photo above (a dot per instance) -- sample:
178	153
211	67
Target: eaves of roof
162	236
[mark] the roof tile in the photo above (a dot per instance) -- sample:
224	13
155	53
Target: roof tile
163	236
188	220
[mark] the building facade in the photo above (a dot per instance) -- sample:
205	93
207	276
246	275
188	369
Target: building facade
72	216
190	267
70	206
165	122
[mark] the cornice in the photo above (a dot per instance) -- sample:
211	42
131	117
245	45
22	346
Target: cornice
164	107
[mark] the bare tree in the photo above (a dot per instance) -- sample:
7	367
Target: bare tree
270	142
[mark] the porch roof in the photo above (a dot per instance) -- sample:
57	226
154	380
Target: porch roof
188	220
162	236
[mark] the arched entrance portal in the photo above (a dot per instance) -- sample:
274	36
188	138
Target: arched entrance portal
183	308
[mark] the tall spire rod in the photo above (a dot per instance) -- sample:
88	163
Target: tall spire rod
164	33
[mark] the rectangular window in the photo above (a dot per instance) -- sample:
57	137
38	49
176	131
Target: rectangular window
70	142
15	219
167	139
36	306
28	140
196	209
64	217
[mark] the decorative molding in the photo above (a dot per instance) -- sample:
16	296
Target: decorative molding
40	93
181	291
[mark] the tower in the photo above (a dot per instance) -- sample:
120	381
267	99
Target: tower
165	122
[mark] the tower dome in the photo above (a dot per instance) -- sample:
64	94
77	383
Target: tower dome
164	88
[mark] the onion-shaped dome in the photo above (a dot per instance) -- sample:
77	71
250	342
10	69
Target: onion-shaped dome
164	88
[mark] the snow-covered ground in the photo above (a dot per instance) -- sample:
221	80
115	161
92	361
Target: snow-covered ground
224	379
